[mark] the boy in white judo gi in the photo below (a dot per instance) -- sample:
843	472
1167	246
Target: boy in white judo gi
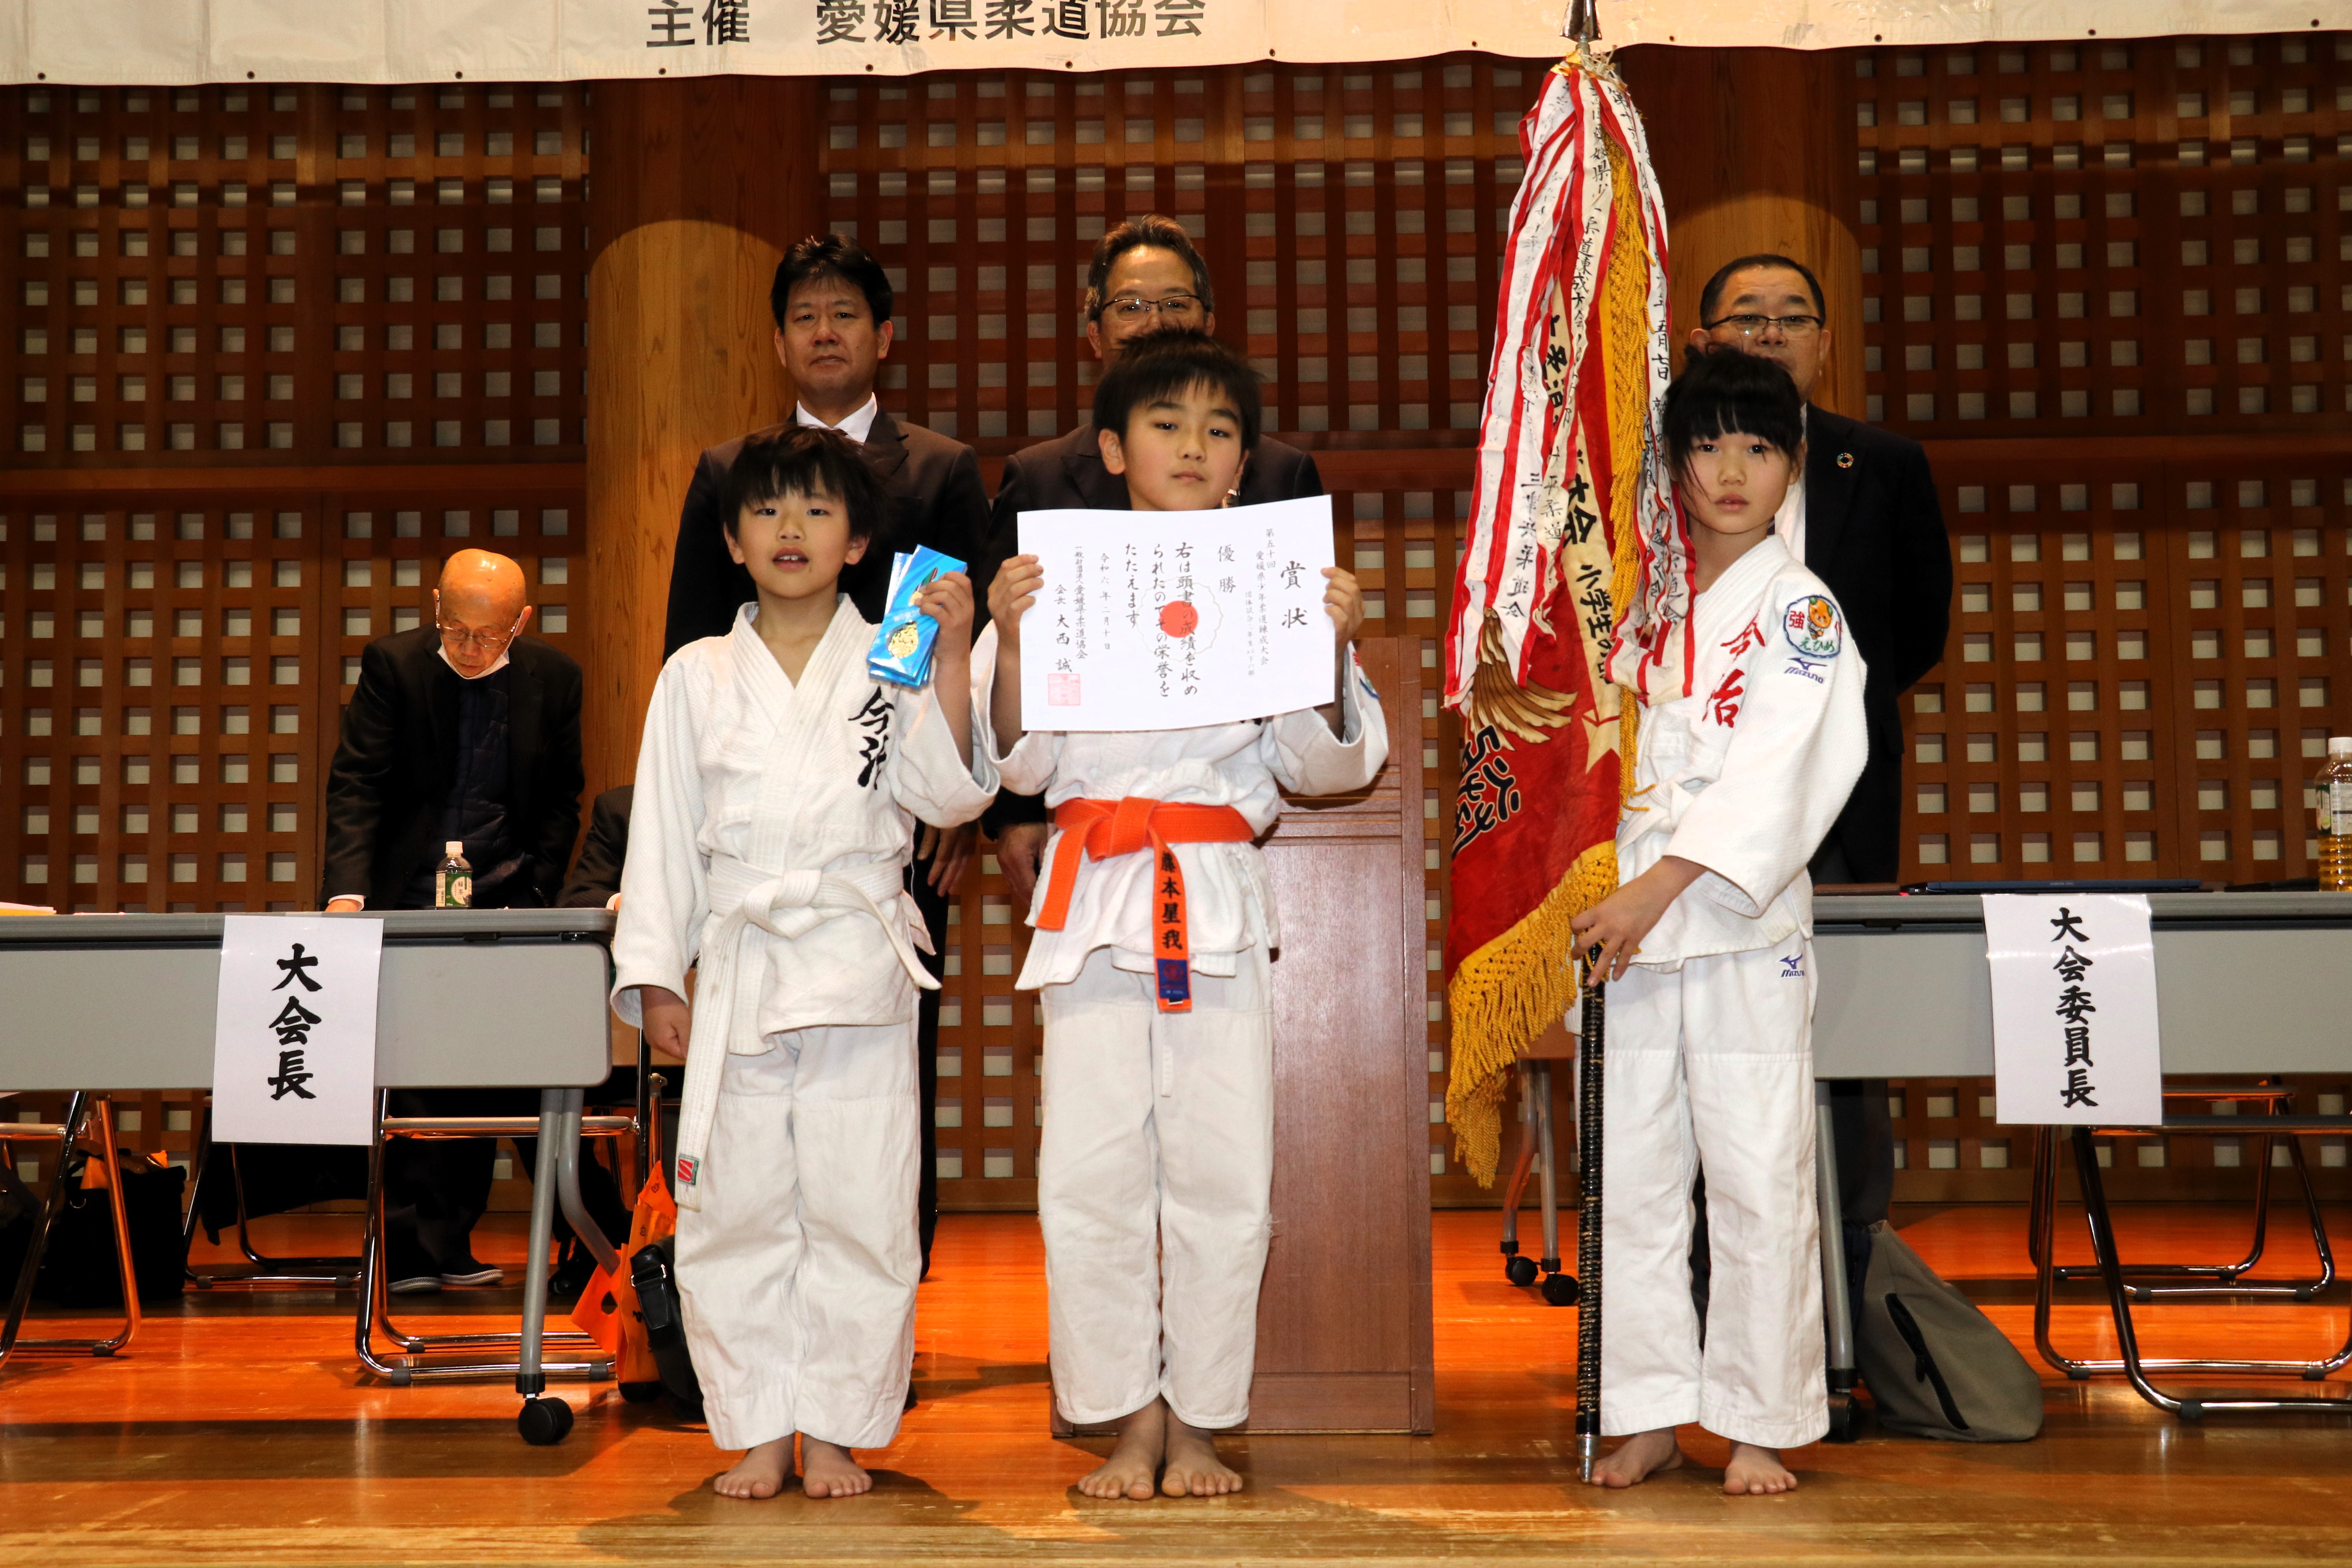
1155	1167
1750	736
776	792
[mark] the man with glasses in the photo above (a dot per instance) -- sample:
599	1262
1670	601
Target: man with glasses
1864	518
1145	277
463	729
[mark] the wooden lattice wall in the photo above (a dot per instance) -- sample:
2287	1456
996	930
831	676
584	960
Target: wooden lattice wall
317	303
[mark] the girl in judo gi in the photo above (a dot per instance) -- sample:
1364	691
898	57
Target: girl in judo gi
1155	1166
1750	735
776	791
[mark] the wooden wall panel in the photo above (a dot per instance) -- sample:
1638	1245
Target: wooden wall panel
1353	216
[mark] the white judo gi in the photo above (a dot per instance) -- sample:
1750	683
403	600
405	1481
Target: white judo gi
1710	1032
770	836
1155	1169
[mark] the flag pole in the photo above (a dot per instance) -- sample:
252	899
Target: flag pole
1590	1060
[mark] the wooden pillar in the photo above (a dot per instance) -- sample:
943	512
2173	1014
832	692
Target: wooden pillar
700	185
1755	151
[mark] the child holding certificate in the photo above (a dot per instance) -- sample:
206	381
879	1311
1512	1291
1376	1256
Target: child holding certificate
1155	923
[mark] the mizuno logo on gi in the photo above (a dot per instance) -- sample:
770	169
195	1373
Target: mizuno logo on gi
1805	667
1793	968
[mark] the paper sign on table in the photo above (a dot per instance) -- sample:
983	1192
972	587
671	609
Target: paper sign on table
1167	620
294	1033
2074	1009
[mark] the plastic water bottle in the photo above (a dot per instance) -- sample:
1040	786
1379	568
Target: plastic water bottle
453	880
2333	792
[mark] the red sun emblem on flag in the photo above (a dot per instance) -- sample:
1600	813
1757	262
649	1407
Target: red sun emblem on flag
1178	618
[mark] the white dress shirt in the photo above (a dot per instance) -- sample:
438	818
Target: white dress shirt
856	426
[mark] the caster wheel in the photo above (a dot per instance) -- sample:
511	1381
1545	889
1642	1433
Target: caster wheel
641	1393
1845	1419
1560	1289
543	1422
1520	1270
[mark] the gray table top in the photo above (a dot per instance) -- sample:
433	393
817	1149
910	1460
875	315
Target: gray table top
465	998
399	925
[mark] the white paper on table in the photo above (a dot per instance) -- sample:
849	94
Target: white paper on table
1170	620
294	1032
2074	1009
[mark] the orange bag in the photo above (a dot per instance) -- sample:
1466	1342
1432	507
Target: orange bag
607	1309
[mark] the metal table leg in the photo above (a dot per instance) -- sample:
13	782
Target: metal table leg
543	1421
1837	1301
1558	1289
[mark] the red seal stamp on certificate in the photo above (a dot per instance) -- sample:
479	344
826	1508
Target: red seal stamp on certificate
1062	692
1178	618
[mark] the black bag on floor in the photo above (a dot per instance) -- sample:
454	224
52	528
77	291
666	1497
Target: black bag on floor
1937	1367
654	1273
78	1265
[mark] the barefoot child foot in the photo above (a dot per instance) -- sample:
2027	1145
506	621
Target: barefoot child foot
1755	1472
1194	1468
828	1470
1639	1458
1133	1469
761	1473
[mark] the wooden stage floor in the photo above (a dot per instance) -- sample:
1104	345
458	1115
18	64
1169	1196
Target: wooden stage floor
236	1431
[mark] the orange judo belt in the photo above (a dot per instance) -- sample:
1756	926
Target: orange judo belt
1105	829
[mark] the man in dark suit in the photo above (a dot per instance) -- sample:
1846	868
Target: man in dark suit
1865	518
1145	277
595	880
831	302
463	730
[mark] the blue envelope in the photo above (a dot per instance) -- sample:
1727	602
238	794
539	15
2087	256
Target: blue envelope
901	653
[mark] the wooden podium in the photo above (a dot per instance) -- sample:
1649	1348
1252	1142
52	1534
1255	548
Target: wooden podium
1344	1337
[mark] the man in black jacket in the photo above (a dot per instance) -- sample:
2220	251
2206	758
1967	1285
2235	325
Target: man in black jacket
1145	277
831	302
463	730
1865	518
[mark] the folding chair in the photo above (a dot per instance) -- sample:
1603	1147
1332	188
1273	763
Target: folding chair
558	1126
294	1273
2116	1275
90	1119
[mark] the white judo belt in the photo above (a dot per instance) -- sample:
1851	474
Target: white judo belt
789	905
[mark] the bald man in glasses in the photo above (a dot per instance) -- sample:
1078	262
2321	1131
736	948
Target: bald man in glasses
464	730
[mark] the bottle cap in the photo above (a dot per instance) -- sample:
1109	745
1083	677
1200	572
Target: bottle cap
455	848
2339	744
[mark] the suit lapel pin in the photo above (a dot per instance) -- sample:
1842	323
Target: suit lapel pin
1845	459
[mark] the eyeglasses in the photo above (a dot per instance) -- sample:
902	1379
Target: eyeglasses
1134	308
1757	326
465	637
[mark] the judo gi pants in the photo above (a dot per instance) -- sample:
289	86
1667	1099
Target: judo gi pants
1710	1068
798	1272
1155	1178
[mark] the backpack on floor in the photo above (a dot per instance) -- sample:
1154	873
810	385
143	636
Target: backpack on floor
654	1272
646	1339
1935	1366
77	1265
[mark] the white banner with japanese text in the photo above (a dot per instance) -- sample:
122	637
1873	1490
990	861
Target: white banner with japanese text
294	1030
2074	1009
175	42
